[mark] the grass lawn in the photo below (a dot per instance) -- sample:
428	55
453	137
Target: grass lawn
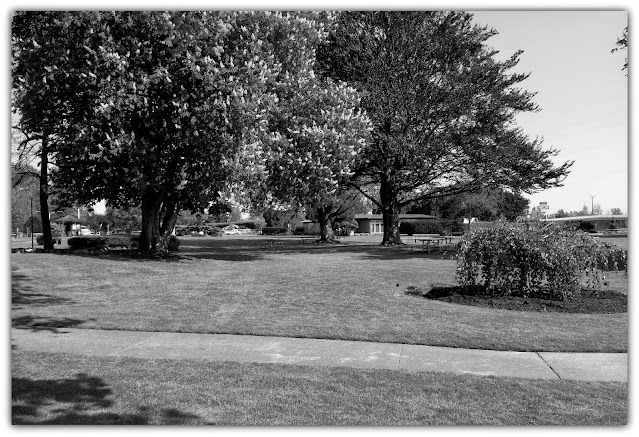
75	389
355	290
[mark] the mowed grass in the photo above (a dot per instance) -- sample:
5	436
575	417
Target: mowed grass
52	388
355	290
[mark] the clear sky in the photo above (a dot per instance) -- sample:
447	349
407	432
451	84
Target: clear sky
582	94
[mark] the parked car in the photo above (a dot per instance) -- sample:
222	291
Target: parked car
85	231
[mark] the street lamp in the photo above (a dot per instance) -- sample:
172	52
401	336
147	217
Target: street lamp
31	199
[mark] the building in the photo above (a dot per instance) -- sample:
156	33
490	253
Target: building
374	224
601	223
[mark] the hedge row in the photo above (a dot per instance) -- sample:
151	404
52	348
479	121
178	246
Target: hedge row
110	242
411	227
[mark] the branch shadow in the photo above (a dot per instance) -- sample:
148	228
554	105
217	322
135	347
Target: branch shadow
80	401
23	296
253	249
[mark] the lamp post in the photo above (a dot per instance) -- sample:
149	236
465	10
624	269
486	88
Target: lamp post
31	199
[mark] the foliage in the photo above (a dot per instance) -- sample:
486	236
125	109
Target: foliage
174	244
622	43
211	230
411	227
158	108
101	242
344	227
616	211
442	108
530	258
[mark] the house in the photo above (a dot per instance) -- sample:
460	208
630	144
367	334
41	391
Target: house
373	223
601	223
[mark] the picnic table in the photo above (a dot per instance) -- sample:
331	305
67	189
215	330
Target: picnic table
434	242
271	243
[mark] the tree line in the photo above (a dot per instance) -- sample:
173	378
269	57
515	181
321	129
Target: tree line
173	111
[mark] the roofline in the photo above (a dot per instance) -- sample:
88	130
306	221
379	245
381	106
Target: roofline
588	218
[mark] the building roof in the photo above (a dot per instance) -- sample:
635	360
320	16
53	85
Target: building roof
589	218
401	216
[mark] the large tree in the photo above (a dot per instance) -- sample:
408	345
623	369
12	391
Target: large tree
442	107
319	133
158	109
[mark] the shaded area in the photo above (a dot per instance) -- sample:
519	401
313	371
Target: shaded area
587	301
23	294
44	323
80	401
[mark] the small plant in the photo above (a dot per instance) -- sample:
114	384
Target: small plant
531	258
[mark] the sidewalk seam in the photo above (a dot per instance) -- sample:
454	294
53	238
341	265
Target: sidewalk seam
401	354
547	364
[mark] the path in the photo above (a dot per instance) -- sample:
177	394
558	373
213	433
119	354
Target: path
317	352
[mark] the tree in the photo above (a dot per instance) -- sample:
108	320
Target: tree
616	211
442	108
561	214
156	109
622	43
487	205
319	133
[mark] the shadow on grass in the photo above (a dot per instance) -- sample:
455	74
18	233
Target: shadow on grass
23	294
80	401
252	249
44	323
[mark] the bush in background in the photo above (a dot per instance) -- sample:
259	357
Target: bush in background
412	227
533	258
173	244
109	242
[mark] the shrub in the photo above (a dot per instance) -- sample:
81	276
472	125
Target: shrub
110	242
523	259
173	244
411	227
344	227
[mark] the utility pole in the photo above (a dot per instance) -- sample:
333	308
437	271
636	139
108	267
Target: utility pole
592	205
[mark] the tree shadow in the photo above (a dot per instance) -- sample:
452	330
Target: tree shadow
254	249
80	401
23	294
44	323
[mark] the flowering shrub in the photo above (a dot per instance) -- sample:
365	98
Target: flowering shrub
532	258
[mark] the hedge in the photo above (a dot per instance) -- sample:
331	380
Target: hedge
411	227
110	242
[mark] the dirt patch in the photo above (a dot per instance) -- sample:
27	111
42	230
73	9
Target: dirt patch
587	301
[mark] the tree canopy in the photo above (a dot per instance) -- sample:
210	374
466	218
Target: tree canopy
442	109
161	109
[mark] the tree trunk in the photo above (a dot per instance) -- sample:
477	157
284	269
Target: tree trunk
326	229
169	218
151	203
390	211
44	194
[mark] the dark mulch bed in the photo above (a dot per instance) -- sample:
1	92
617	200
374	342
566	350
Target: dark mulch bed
587	301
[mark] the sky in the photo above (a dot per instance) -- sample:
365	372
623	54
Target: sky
582	93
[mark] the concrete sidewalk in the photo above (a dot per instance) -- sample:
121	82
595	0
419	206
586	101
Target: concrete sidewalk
315	352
